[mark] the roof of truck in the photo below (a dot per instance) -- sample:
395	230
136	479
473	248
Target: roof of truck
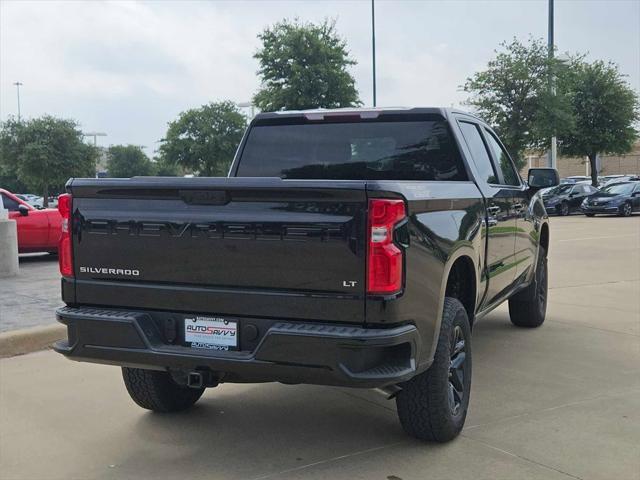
364	112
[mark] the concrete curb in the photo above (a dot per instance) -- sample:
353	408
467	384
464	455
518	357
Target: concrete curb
19	342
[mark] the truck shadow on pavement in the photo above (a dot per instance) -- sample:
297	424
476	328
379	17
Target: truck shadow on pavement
246	431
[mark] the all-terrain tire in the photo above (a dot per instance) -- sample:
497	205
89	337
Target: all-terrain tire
424	403
157	391
528	308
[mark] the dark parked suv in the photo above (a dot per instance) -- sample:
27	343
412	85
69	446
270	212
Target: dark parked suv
347	247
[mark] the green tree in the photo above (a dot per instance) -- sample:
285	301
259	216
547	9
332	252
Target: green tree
8	166
203	140
513	94
44	152
124	161
304	65
605	109
163	168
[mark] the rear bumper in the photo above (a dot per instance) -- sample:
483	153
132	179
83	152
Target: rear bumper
315	353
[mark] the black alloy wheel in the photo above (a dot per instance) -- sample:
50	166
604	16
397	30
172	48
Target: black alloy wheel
457	370
541	288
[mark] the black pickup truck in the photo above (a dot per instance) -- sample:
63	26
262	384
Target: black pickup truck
346	247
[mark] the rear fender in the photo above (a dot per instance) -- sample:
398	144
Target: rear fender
459	252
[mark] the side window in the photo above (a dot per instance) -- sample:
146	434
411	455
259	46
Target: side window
9	203
481	157
504	163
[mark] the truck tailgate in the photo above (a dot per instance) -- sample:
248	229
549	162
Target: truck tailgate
242	246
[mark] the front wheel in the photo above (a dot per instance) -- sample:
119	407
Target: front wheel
626	210
563	209
433	405
529	307
158	391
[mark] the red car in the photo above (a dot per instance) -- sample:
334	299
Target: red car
38	230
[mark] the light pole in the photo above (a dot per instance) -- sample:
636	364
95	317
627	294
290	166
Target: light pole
248	105
551	159
95	136
373	47
18	85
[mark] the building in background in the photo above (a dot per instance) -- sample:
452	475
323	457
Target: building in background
608	164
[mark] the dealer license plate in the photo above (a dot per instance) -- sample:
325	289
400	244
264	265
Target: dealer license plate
211	333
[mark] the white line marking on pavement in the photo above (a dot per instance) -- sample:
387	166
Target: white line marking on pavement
328	460
598	238
595	398
595	284
529	460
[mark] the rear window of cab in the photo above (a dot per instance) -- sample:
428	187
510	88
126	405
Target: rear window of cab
374	150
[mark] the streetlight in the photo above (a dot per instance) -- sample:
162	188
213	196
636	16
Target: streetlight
247	105
373	47
18	85
551	159
95	136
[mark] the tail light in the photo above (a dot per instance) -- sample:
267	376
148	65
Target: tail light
64	246
384	257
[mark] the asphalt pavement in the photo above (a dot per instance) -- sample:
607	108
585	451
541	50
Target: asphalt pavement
558	402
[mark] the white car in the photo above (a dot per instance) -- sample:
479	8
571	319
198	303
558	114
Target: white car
621	179
33	200
576	179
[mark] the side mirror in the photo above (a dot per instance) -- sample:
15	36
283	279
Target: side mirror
543	178
24	210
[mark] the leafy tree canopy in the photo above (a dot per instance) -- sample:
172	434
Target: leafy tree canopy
304	65
203	140
44	152
124	161
513	95
606	110
163	168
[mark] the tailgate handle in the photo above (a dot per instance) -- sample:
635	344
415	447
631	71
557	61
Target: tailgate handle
204	197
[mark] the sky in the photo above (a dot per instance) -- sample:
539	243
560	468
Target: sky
128	68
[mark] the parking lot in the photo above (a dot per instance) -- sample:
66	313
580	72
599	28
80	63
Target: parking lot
558	402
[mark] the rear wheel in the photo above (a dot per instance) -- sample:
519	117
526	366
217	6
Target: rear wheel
529	307
590	214
433	405
626	210
158	391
